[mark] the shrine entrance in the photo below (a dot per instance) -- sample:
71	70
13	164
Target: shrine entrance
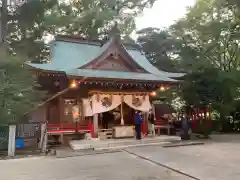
113	118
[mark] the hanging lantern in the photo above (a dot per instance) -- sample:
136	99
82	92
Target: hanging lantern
162	88
153	93
73	84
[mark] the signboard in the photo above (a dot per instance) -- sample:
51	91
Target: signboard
31	130
4	134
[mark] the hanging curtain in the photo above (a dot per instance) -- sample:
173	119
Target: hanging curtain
105	102
140	103
87	107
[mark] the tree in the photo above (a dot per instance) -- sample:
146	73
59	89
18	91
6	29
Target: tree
209	52
210	87
160	48
210	35
18	90
92	19
26	29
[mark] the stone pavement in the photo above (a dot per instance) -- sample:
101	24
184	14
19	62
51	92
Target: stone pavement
212	161
114	166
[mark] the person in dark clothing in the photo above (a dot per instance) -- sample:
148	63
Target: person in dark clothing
151	119
185	128
107	116
138	123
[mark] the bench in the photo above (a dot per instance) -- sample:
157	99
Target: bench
162	124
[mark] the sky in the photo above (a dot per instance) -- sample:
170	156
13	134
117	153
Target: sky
163	13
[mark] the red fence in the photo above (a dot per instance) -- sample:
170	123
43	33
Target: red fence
161	122
70	127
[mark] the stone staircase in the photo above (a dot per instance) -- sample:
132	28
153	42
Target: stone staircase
105	134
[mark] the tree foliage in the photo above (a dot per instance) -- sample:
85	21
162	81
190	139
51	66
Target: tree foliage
29	23
160	48
210	87
210	35
18	90
210	53
204	44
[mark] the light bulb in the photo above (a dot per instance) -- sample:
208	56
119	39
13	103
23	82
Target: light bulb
162	88
153	93
73	84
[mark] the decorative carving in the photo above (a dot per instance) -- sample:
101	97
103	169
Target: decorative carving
107	101
136	101
56	83
114	65
115	55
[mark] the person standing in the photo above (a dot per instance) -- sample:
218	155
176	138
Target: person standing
185	128
107	117
152	119
138	123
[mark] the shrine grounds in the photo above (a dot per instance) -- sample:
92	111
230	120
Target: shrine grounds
217	159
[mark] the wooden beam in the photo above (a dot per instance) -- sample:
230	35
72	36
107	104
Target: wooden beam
115	92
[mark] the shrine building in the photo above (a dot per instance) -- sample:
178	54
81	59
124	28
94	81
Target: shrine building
86	79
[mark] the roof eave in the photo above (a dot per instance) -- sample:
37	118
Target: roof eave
123	80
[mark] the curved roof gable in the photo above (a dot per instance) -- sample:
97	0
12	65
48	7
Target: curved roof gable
114	47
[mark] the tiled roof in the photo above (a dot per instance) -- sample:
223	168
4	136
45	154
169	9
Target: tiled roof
67	56
117	75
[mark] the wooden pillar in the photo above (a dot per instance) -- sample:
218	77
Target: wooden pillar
193	114
122	120
153	110
61	116
81	110
95	124
61	109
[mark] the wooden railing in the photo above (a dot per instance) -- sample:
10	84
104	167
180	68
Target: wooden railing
161	122
70	127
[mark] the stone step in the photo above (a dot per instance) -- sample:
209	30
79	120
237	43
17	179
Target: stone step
62	153
183	143
70	153
114	144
